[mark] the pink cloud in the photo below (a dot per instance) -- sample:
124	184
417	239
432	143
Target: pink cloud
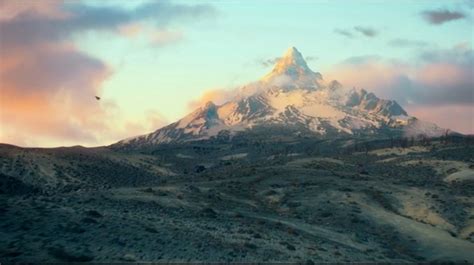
443	75
48	86
438	88
218	96
372	74
458	118
49	8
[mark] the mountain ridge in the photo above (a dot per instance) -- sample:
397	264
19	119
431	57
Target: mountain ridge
292	95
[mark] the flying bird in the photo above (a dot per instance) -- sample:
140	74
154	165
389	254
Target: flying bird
96	97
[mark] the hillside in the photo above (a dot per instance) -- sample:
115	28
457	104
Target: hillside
292	199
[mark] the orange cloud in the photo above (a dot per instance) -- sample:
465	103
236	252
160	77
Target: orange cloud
45	120
29	118
218	96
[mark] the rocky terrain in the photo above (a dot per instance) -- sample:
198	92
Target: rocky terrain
252	198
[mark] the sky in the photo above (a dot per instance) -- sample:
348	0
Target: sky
152	62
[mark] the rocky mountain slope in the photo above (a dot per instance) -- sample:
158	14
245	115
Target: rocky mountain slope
292	96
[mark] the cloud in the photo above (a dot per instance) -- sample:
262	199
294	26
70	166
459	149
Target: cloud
37	120
361	59
443	78
31	26
441	16
48	92
53	68
366	31
164	37
441	83
460	53
222	95
130	30
156	37
48	8
48	86
272	61
468	3
407	43
217	95
268	62
438	79
455	117
343	32
357	30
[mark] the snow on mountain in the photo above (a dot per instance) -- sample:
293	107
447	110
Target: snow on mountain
291	71
292	95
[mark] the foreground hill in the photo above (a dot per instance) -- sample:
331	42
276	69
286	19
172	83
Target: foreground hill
289	198
72	168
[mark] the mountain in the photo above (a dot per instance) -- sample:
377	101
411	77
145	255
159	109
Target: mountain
292	96
295	170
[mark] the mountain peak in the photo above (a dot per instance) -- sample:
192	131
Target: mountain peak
292	69
290	96
209	105
291	63
293	56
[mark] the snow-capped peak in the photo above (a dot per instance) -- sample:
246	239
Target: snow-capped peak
292	96
292	71
291	60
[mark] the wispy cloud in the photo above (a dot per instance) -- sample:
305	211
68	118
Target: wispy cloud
366	31
268	62
357	30
355	60
217	95
407	43
343	32
441	16
272	61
